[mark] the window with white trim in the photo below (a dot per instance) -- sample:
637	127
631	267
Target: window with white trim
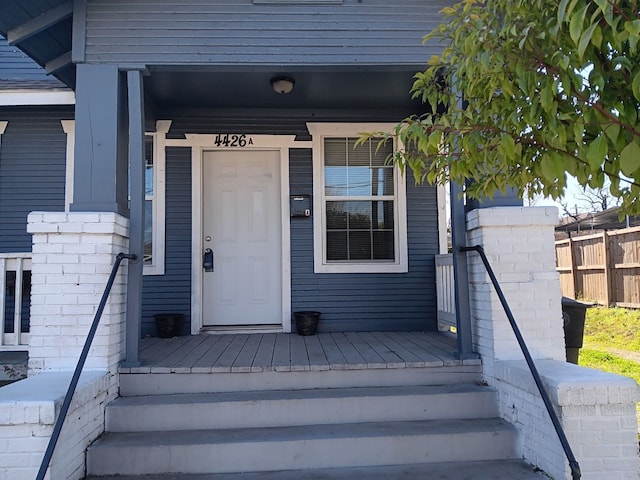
154	213
359	202
154	218
149	191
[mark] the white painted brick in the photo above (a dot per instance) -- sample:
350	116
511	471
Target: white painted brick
74	310
81	249
41	228
80	268
65	238
101	227
97	239
83	218
46	248
55	217
89	299
38	268
61	280
74	276
28	444
70	227
593	435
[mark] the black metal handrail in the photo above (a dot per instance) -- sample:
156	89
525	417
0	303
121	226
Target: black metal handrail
573	463
44	465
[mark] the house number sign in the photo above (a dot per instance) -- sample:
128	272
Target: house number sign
233	140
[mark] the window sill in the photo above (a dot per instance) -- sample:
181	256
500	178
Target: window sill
361	268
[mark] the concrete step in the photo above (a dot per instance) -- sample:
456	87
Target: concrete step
299	407
494	470
150	383
301	447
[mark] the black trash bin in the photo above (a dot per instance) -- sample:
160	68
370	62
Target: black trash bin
306	322
168	324
573	314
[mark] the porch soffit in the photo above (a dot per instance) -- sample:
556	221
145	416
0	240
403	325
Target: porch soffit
43	33
47	38
315	87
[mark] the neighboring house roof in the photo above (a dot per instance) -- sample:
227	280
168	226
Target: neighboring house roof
596	222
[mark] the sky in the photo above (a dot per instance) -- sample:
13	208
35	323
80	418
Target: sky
573	189
572	199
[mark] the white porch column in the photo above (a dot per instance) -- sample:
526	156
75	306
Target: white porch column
73	254
596	409
519	244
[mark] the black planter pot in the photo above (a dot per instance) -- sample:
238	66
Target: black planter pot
168	324
306	322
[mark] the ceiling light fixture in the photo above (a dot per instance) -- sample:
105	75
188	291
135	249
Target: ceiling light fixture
282	85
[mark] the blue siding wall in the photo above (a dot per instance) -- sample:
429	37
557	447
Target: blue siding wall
367	301
171	293
347	301
32	169
239	32
15	65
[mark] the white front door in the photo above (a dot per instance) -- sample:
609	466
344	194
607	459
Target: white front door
242	226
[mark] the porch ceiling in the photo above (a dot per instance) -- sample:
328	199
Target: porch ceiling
335	87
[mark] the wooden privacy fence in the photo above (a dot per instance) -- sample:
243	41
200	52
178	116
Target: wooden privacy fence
602	268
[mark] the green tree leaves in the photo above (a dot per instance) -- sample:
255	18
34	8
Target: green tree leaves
525	92
630	158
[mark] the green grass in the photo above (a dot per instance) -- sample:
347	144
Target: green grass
617	328
609	363
609	333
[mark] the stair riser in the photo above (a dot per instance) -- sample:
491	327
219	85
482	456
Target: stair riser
175	383
290	412
310	453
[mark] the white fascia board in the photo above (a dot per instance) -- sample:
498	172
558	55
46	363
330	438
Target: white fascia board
37	97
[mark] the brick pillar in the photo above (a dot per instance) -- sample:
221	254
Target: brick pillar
519	244
73	254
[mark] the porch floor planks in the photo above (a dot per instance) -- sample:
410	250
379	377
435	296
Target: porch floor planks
317	359
182	350
149	342
282	353
244	360
413	357
289	352
440	350
153	354
205	364
392	360
371	358
263	361
228	357
186	363
445	347
334	356
299	355
351	354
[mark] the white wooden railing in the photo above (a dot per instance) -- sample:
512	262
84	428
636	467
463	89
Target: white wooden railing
18	263
445	292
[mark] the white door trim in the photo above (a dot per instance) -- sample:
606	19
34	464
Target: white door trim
201	143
